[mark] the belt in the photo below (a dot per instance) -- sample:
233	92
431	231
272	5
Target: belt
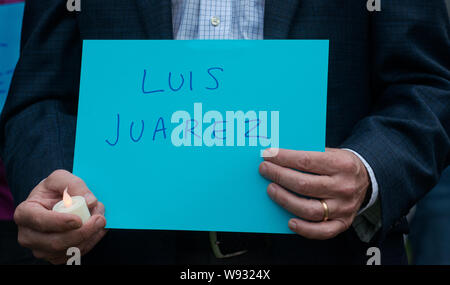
227	245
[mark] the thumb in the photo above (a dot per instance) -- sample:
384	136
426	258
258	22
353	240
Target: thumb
59	180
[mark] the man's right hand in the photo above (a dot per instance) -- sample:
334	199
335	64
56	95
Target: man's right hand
49	234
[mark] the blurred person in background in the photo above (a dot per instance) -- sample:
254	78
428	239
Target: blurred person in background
429	236
10	251
430	226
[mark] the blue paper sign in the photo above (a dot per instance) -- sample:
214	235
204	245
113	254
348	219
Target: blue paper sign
170	133
10	27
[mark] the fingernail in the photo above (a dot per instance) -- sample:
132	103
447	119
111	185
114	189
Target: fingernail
292	225
267	152
262	168
74	224
90	198
270	152
100	223
271	189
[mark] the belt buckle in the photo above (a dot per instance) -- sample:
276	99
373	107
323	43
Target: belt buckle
216	248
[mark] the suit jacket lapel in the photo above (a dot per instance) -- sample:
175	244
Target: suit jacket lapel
156	17
278	16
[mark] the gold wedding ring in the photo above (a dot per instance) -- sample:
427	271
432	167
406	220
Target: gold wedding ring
325	210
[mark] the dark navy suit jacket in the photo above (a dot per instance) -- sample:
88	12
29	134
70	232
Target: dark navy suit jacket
388	99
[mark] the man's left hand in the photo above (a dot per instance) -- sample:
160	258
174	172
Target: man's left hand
337	177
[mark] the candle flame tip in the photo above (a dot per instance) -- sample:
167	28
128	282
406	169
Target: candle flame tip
67	200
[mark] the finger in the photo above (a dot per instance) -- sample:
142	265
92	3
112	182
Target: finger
60	179
317	186
320	231
54	258
99	209
61	256
308	161
56	243
308	209
35	216
86	246
58	260
39	254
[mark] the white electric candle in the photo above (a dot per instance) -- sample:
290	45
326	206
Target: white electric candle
73	205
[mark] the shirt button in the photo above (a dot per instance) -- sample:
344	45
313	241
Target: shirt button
215	21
